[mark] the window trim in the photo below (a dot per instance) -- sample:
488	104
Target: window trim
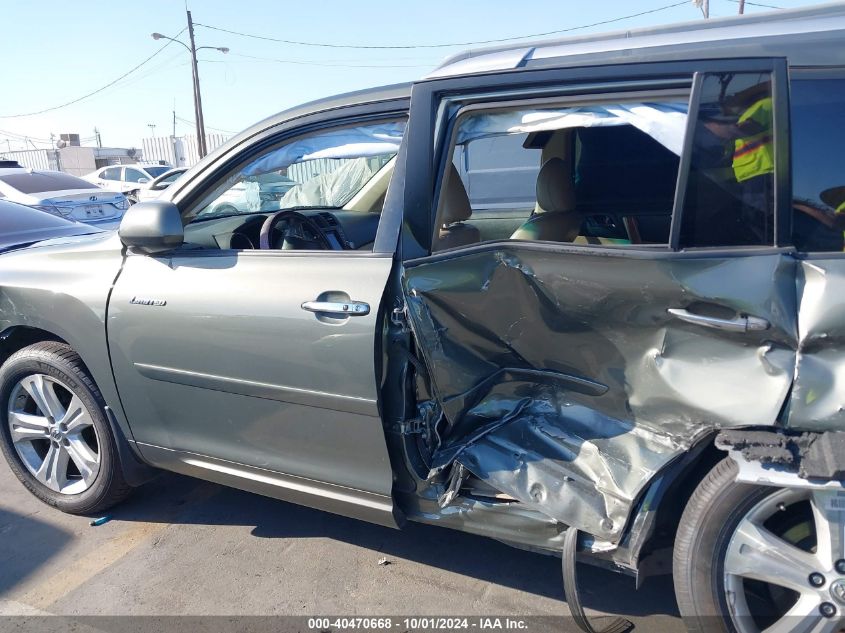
283	133
782	202
244	159
424	137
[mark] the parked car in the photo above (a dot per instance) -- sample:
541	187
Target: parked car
642	365
252	194
62	194
154	188
128	179
22	226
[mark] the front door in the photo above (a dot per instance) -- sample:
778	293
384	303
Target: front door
256	366
628	316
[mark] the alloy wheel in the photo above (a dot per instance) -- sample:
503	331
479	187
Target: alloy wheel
53	434
784	568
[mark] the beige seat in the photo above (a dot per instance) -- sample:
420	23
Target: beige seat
456	210
555	219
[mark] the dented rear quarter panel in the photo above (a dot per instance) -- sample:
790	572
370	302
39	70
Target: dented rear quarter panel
818	396
567	385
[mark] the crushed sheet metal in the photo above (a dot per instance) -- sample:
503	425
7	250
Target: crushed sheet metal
566	384
818	397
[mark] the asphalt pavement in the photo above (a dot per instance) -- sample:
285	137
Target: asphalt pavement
183	547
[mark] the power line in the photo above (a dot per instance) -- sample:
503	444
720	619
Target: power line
757	4
91	94
325	64
24	137
452	44
216	129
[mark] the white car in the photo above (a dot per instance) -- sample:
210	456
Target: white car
127	179
257	193
64	195
153	189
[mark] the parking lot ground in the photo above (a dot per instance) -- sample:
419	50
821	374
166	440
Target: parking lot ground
181	546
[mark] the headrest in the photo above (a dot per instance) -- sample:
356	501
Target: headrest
555	191
456	206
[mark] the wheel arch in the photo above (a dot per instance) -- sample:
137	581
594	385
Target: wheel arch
17	337
649	537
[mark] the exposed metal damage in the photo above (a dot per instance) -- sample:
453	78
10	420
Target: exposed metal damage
560	379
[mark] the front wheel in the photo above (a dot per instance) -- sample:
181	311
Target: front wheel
752	558
54	432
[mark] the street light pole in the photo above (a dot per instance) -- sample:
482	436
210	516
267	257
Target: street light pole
197	95
199	120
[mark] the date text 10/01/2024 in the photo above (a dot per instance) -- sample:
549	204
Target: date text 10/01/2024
417	623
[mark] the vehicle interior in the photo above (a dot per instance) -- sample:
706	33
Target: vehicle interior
608	184
324	192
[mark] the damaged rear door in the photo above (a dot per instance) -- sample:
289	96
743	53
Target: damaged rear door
643	302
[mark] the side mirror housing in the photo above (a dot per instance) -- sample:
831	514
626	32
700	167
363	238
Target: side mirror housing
153	226
143	181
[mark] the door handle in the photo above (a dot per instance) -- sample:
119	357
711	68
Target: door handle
737	324
346	308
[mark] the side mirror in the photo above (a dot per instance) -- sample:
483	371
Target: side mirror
153	226
143	181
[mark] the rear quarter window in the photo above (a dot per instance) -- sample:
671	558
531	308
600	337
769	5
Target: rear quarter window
818	178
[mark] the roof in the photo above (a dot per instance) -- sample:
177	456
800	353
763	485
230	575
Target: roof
807	37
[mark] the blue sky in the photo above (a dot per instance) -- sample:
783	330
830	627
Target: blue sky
56	51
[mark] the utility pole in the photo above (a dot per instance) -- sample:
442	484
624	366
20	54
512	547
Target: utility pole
152	127
197	95
705	6
99	140
192	49
741	7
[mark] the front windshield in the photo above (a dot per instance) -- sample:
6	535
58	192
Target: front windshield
324	170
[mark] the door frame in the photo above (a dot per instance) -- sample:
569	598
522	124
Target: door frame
429	132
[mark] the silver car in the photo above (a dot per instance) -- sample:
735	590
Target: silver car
640	365
63	195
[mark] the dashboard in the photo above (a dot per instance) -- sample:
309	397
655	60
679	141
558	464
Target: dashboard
343	230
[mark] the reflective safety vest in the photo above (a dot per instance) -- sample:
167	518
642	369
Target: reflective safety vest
754	154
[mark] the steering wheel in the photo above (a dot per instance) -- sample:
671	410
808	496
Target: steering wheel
296	225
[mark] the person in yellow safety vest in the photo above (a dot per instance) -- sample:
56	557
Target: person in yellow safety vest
754	151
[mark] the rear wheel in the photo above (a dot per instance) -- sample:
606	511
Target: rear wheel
54	433
754	558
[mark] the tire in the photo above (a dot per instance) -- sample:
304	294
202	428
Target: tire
759	545
80	471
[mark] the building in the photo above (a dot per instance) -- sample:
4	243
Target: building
74	159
